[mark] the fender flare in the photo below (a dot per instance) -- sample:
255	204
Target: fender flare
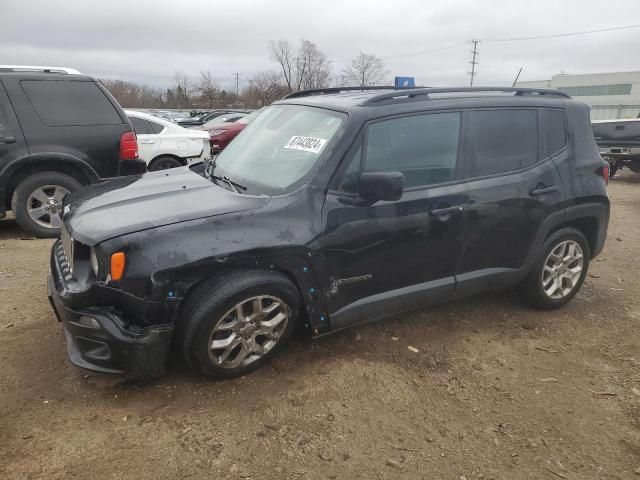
75	162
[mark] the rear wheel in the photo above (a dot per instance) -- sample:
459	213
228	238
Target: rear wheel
163	163
37	202
560	270
236	323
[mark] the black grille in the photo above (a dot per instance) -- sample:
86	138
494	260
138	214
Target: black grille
63	262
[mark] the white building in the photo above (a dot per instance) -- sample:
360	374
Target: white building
611	95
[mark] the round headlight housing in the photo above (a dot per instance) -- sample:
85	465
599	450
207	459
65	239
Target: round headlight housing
94	262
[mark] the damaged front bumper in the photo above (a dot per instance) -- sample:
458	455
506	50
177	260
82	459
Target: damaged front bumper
98	338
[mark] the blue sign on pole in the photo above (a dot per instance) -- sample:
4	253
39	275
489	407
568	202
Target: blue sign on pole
405	82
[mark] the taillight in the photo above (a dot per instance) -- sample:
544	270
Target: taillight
128	146
605	173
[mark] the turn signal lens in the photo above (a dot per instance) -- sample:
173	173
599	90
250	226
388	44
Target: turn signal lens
118	261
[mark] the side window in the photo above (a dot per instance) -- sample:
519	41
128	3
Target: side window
67	103
154	127
140	126
503	140
423	147
556	131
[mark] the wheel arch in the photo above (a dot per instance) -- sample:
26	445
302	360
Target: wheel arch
183	161
20	169
295	268
591	220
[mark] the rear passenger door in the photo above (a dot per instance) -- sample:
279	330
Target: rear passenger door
395	255
12	144
513	185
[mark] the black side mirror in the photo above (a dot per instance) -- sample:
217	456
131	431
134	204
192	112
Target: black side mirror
376	186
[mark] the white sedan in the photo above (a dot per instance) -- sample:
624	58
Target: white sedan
163	144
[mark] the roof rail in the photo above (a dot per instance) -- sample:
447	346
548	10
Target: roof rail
425	92
324	91
38	68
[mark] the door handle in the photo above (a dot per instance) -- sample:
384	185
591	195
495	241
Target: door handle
7	139
447	210
542	190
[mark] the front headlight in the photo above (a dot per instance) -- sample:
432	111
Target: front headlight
216	132
94	262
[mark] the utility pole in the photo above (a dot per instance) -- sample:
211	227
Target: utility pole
473	61
237	83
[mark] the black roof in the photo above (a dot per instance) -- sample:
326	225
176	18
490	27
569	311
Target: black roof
347	98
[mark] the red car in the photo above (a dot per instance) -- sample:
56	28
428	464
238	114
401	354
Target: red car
220	137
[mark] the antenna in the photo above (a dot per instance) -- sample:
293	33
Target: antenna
517	77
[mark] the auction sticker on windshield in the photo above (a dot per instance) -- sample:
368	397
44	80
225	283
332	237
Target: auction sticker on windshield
306	144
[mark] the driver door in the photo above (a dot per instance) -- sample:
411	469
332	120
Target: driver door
395	255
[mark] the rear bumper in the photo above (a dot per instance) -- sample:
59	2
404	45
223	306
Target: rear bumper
132	167
99	339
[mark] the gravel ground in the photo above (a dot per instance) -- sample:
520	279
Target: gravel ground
495	390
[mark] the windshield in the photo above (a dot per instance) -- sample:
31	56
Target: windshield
279	148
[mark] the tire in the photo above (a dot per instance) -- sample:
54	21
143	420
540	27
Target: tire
30	200
533	287
163	163
211	315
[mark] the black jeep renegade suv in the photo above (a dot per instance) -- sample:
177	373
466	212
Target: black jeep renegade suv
332	208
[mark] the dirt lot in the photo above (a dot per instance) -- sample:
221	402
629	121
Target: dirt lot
496	390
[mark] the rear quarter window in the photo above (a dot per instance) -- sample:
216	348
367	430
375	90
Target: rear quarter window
555	129
503	140
154	127
62	103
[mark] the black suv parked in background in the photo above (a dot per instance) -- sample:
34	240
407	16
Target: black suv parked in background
59	130
332	208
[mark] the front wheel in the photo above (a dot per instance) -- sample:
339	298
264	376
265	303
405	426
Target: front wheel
560	270
237	322
37	202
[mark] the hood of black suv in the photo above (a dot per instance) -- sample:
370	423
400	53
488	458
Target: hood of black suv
129	204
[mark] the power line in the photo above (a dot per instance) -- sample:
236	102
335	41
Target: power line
424	52
557	35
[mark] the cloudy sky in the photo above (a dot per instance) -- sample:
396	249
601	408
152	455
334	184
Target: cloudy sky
148	40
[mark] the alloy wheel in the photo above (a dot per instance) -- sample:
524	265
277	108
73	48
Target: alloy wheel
248	331
44	205
562	269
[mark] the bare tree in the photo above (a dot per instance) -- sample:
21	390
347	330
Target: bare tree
182	90
208	89
364	70
314	68
133	95
282	53
264	88
305	68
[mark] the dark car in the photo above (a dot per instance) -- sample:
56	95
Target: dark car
221	120
221	135
59	130
329	210
202	119
619	143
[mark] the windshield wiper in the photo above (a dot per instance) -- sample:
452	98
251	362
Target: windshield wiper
235	186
